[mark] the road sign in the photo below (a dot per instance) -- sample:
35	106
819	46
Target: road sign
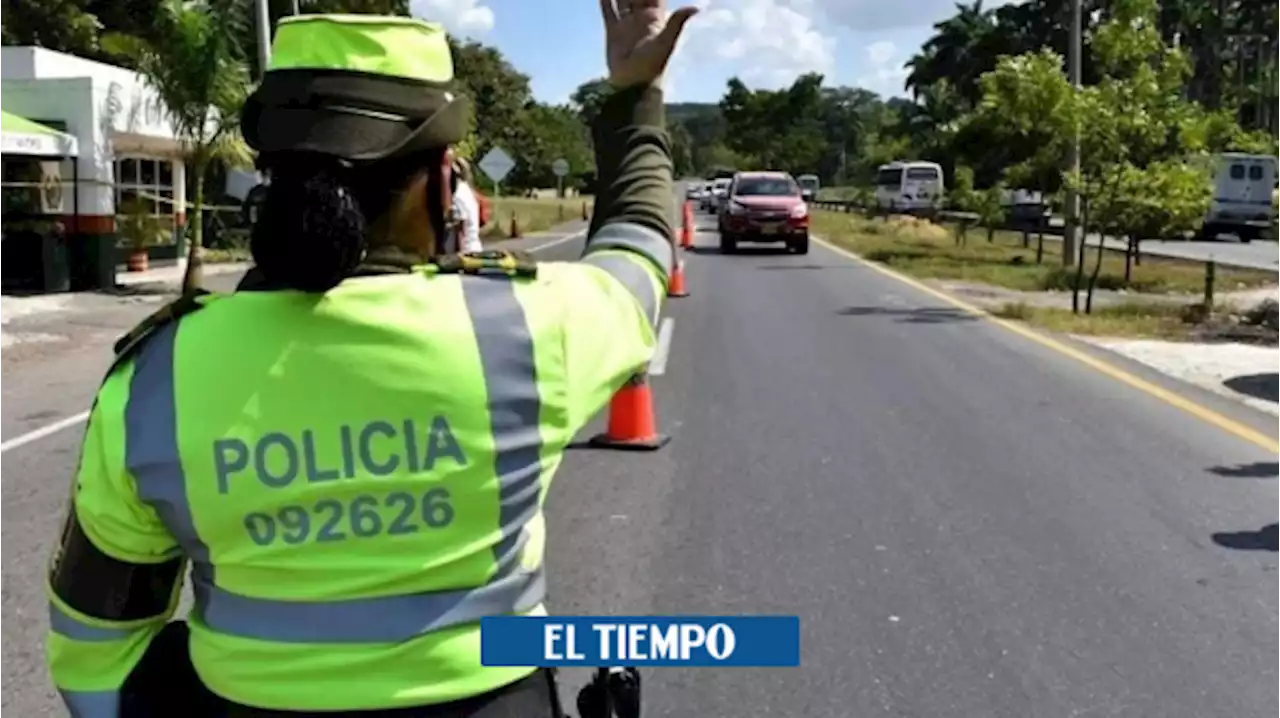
560	168
497	164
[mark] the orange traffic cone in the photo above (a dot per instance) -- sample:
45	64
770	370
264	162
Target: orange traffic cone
632	423
515	227
686	238
675	287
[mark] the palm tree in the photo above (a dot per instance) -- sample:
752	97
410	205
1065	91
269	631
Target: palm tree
954	52
200	74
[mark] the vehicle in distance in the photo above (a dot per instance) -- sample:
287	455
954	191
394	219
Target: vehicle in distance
694	191
713	200
809	186
764	207
909	186
1242	196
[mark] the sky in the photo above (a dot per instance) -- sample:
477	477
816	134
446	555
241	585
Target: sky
766	43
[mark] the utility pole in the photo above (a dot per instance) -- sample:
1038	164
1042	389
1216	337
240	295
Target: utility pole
1071	232
264	37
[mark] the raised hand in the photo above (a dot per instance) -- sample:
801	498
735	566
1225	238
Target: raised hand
639	39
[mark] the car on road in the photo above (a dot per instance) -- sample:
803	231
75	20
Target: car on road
764	207
712	201
694	191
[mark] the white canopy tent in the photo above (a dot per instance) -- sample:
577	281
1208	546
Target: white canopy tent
21	136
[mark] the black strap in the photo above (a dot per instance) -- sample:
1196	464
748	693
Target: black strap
489	262
171	312
106	588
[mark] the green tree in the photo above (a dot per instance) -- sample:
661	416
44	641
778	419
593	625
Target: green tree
589	98
498	92
681	150
547	133
962	196
1021	128
63	25
200	75
1138	137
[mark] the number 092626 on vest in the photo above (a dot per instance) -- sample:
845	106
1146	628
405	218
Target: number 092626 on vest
734	641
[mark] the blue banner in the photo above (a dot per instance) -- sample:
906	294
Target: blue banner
640	641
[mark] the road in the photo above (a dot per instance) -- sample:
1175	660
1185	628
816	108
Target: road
968	522
1260	254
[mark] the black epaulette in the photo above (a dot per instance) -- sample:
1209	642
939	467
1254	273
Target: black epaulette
128	344
490	262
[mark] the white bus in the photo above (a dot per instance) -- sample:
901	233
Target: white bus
909	186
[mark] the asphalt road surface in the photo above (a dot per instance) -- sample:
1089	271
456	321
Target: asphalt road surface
1259	254
967	522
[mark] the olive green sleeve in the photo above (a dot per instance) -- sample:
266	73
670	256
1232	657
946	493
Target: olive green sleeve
615	292
634	179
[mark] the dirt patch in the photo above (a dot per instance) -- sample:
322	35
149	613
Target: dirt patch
1259	324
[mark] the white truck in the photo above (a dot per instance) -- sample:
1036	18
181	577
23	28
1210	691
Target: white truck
809	186
1242	196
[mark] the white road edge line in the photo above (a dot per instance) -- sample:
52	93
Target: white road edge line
70	421
558	241
44	431
662	351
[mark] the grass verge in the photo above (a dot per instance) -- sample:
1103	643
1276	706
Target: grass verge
923	249
929	251
532	215
1138	319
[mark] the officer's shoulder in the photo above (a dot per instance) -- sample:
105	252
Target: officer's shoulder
128	345
490	262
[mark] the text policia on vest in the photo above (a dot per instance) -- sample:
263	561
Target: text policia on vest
379	448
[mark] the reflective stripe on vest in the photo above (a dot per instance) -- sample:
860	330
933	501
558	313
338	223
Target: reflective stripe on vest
507	355
92	704
634	277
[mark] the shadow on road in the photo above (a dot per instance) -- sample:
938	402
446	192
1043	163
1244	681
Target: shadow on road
1258	386
921	315
1264	539
740	252
1256	470
780	267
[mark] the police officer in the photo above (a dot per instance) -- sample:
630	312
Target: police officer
352	450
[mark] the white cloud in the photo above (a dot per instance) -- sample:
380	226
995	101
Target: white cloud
881	52
461	17
768	43
765	42
884	74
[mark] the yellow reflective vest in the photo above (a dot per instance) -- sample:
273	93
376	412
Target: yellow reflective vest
355	478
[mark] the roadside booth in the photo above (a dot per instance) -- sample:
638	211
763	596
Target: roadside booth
37	160
127	188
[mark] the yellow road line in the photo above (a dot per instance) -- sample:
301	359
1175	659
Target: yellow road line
1203	413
